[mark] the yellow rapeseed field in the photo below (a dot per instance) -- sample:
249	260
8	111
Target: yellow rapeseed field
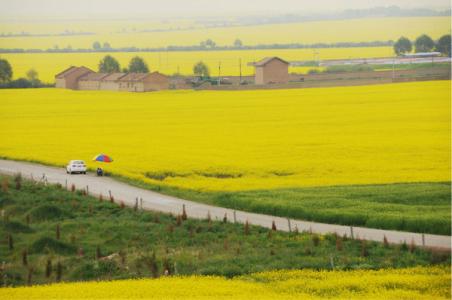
411	283
49	64
240	140
356	30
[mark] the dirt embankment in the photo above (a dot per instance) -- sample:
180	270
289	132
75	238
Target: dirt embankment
335	79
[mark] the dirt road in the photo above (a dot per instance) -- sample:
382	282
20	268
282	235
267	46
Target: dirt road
158	202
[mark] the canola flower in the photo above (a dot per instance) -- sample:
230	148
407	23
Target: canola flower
242	140
410	283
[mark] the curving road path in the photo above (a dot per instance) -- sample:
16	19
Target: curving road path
158	202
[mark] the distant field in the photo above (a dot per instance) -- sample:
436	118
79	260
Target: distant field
357	30
49	64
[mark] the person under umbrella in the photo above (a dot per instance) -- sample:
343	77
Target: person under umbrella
102	158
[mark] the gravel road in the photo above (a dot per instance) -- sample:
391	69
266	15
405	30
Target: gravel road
163	203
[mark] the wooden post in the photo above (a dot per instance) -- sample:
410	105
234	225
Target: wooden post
288	223
66	184
141	203
423	240
235	217
87	190
351	232
109	192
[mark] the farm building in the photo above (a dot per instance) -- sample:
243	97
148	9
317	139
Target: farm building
68	79
271	70
82	78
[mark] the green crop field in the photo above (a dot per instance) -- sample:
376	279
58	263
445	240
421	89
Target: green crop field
416	207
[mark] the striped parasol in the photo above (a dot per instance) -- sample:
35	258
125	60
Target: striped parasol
103	158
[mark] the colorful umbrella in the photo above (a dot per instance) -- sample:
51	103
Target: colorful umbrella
103	158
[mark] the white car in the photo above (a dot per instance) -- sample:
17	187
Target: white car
76	166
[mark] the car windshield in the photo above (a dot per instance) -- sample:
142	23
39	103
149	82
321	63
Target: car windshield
78	162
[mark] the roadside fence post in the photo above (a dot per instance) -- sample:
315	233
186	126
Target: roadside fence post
141	203
351	232
44	178
423	240
109	192
65	184
235	217
87	190
288	223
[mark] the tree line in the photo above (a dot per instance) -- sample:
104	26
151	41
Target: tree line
207	45
423	43
30	81
108	64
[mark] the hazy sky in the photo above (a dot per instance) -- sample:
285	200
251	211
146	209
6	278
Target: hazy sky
189	8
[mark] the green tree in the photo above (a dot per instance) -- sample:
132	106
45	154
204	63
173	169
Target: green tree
106	46
238	43
96	45
109	65
6	72
424	43
443	45
403	45
20	83
137	65
33	77
209	43
201	69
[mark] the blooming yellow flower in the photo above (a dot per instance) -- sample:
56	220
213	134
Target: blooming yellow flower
411	283
242	140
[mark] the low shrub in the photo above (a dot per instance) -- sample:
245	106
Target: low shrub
15	227
47	212
45	245
161	175
95	270
350	68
